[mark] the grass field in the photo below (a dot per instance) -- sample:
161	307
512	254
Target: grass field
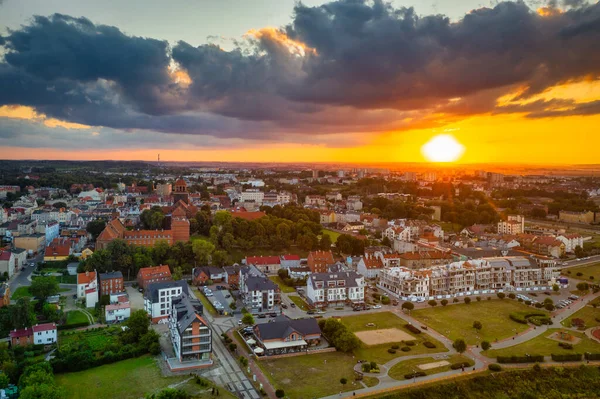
206	303
456	321
586	272
311	376
282	286
380	319
332	234
132	378
587	313
97	339
299	302
23	291
541	345
76	316
398	371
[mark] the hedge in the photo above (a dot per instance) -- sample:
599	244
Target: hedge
411	343
413	375
494	367
72	325
568	357
412	329
522	318
592	356
520	359
429	345
456	366
565	345
405	349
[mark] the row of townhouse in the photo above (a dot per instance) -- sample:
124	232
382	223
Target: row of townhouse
468	276
335	288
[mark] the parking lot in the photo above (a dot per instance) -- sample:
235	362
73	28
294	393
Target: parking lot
136	298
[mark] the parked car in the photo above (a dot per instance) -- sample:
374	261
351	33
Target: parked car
239	322
293	305
283	305
376	306
395	303
574	297
262	316
311	311
227	296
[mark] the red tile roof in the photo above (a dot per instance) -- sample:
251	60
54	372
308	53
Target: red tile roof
152	272
44	327
85	278
21	333
291	257
263	260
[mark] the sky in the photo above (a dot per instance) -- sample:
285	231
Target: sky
276	80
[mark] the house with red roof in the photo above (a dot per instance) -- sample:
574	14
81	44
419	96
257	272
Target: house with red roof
370	265
154	274
290	260
318	261
87	288
40	334
58	249
8	263
266	264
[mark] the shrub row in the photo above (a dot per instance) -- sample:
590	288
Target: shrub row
592	356
72	325
520	359
538	321
429	345
565	345
456	366
413	375
522	318
568	357
412	329
494	367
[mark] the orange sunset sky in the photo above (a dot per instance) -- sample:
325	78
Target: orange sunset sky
512	83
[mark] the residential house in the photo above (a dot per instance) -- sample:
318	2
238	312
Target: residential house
87	288
353	227
111	283
117	312
397	233
299	272
369	266
51	229
318	261
31	242
571	241
290	260
20	255
40	334
549	246
158	297
513	226
58	249
4	294
200	275
424	259
190	333
315	200
232	276
324	289
326	217
266	264
154	274
258	292
285	335
8	265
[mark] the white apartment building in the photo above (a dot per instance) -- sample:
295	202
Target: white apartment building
514	225
571	241
324	289
458	278
258	292
61	216
252	195
315	200
158	297
398	233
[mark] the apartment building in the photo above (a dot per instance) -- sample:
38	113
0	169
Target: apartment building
324	289
158	298
190	333
515	224
461	277
258	292
254	195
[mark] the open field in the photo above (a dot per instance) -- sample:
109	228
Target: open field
23	291
387	335
299	302
332	234
587	313
381	320
311	376
587	271
281	285
542	345
97	339
132	378
456	321
76	316
398	371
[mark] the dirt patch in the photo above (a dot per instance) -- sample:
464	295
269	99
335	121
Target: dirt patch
434	365
564	337
384	336
596	334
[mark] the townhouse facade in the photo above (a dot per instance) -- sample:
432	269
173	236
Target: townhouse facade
325	289
258	292
158	298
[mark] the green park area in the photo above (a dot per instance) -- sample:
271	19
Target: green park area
589	273
456	321
544	345
299	302
282	286
76	317
399	370
589	314
332	234
23	291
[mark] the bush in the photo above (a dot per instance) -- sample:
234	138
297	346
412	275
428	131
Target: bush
385	300
539	305
568	357
523	318
467	300
565	345
432	303
537	368
456	366
392	351
455	300
478	298
405	349
366	367
549	307
528	303
520	359
520	299
412	329
489	298
494	367
501	295
444	302
512	296
414	375
72	325
279	393
395	346
583	286
592	356
232	346
485	345
429	345
411	343
477	325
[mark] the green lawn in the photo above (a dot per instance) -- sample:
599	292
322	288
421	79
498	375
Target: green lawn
332	234
97	339
206	303
586	272
398	371
381	320
456	321
76	316
587	313
370	381
311	376
299	302
281	284
541	345
23	291
132	378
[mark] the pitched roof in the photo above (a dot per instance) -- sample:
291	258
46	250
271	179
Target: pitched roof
106	276
85	278
263	260
282	327
44	327
146	273
291	257
25	332
372	262
5	255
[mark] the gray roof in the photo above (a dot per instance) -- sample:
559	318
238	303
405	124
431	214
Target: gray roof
18	250
152	290
110	275
260	283
283	327
485	252
349	277
185	311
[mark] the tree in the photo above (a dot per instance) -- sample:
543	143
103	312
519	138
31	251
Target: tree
477	325
248	319
460	345
346	341
386	242
444	302
408	306
583	286
177	273
432	303
485	345
555	288
95	227
42	392
21	314
467	300
548	300
152	218
59	205
43	287
169	393
280	393
549	307
325	242
512	296
202	251
220	258
137	326
343	381
4	381
501	295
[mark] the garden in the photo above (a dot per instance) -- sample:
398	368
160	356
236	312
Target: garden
429	365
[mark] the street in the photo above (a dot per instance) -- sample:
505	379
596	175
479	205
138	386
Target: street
22	277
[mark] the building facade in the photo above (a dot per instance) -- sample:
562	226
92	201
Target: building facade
158	298
190	333
325	289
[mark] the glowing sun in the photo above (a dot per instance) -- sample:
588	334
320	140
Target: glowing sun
442	148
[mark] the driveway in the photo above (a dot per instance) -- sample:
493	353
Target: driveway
136	298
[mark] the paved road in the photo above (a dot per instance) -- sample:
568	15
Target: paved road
228	372
22	277
581	262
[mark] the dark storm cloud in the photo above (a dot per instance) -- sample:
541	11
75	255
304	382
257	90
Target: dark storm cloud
364	66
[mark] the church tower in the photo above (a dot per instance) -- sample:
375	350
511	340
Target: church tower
180	225
180	192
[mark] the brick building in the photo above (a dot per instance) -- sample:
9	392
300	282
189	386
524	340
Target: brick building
155	274
319	260
111	283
